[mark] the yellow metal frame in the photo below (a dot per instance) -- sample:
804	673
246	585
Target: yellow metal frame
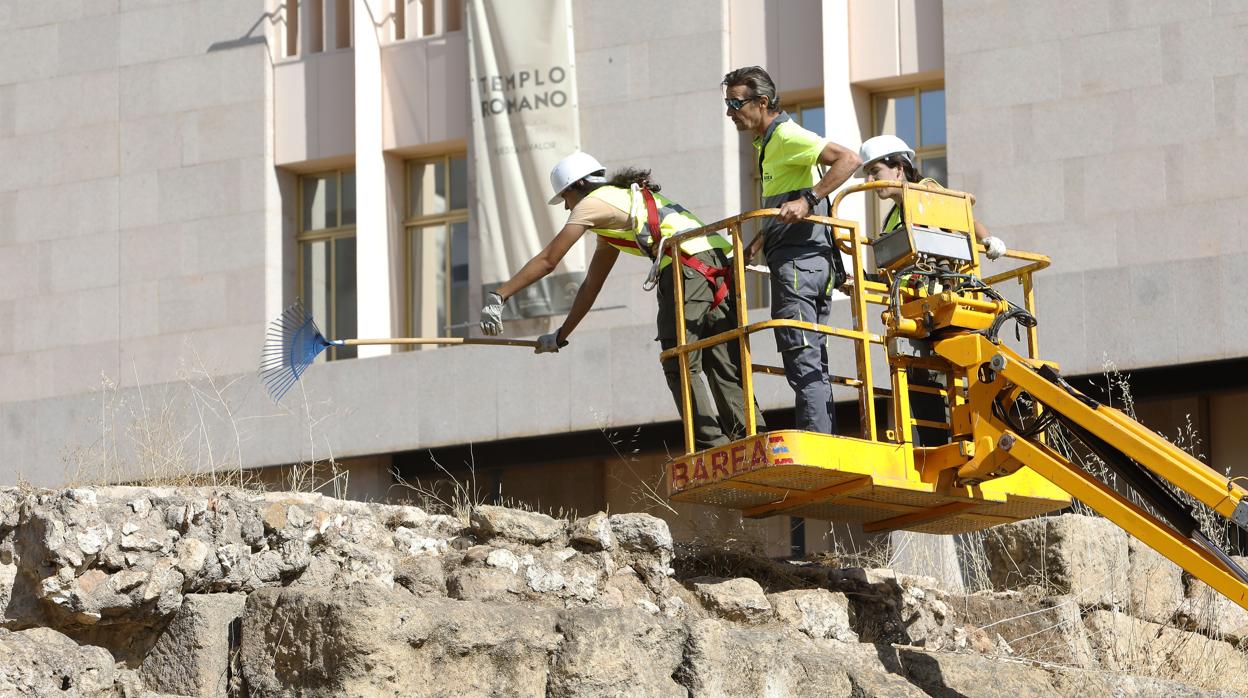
987	474
901	485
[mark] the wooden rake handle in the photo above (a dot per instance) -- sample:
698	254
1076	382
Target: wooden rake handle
532	344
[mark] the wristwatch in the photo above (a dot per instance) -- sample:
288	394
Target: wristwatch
809	195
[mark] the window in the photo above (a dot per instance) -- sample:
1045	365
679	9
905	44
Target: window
319	25
917	116
437	246
808	115
420	18
327	255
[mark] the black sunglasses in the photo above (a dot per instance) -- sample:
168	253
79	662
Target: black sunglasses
736	104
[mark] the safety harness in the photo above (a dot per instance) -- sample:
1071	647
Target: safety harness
650	241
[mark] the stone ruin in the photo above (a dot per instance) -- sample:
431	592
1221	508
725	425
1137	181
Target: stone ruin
125	591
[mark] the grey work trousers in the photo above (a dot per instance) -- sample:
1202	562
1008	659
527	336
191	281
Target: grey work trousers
721	363
801	290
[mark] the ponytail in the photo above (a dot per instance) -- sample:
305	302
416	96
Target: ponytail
628	176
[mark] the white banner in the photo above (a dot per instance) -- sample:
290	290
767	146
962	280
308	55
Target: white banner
524	120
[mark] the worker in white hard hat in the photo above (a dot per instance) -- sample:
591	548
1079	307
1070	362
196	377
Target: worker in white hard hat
890	158
628	214
805	267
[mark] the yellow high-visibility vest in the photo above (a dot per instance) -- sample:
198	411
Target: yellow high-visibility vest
673	219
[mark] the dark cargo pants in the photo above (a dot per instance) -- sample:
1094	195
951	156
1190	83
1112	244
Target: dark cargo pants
801	290
721	364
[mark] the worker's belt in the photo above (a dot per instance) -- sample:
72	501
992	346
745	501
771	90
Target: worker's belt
717	277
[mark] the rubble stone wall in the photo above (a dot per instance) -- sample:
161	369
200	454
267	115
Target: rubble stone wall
219	592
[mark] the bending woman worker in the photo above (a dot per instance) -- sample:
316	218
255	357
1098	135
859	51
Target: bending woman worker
889	158
627	214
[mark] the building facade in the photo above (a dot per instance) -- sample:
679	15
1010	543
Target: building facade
177	173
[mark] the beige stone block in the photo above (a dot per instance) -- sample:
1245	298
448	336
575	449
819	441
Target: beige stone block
78	263
224	133
1156	584
18	376
1107	62
607	24
698	127
72	101
61	157
29	54
1169	114
982	139
1208	47
30	14
19	271
8	111
150	360
1076	127
699	57
1205	610
152	143
66	210
1022	194
194	82
1069	554
223	243
1004	77
139	310
139	91
1106	299
7	313
247	185
81	317
156	33
246	70
1187	174
87	45
1232	271
154	253
78	369
140	199
1132	646
608	75
188	193
192	302
245	294
1145	189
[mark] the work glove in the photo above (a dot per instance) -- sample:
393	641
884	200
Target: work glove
995	246
492	314
549	343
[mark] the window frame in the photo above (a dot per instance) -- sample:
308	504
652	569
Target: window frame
412	223
329	235
921	152
915	90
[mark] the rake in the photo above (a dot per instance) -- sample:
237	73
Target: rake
293	342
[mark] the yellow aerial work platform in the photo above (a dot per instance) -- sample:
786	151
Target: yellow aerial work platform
994	465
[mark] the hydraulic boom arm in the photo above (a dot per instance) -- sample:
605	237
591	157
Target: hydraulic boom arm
998	375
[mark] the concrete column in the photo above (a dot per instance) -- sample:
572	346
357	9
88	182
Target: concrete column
372	227
311	27
332	8
841	109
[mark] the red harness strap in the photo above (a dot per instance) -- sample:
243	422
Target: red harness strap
717	277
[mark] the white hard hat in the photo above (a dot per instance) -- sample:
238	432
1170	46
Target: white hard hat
875	149
570	170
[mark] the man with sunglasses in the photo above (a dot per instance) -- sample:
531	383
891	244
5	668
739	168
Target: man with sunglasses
800	254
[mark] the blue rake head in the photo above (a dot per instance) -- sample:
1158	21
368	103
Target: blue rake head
291	344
